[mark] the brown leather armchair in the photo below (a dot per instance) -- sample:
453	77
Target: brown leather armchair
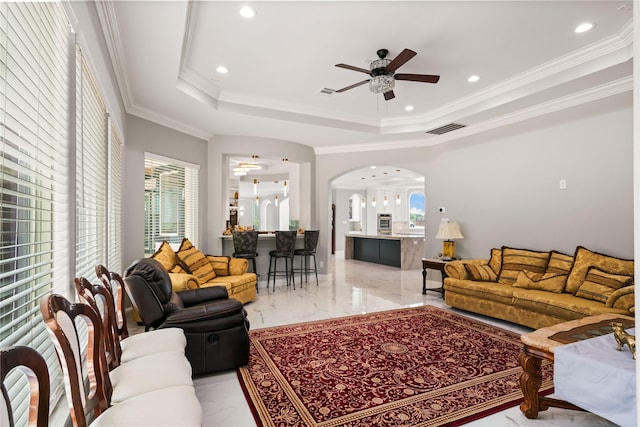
216	326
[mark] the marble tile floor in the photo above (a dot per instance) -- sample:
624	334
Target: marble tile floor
353	287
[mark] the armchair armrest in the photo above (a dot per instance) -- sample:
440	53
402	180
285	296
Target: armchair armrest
623	298
192	297
456	270
183	281
238	266
205	312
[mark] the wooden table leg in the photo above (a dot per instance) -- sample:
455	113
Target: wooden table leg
530	382
424	280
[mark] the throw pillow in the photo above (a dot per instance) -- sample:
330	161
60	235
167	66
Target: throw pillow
550	282
584	259
196	262
495	262
168	258
516	260
559	263
598	285
220	264
481	272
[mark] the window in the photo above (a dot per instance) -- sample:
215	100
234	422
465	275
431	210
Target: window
91	172
47	229
416	209
171	202
34	168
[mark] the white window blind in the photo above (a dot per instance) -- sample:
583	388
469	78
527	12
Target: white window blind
34	105
91	172
114	207
171	202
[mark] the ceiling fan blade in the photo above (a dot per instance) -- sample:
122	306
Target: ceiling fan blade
352	86
425	78
401	59
351	67
389	95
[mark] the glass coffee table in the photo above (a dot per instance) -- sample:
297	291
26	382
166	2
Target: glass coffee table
539	345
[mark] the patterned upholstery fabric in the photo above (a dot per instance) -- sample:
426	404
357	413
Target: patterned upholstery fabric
167	257
196	262
623	298
245	243
481	273
559	263
584	259
550	282
220	264
599	285
516	260
495	262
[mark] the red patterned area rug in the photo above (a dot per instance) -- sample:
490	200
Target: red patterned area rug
420	366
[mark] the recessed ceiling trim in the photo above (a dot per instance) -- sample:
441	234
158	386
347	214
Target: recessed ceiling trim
597	56
593	94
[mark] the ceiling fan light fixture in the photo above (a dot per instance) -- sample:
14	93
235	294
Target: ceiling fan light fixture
382	84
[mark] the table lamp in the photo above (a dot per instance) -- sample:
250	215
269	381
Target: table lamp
449	231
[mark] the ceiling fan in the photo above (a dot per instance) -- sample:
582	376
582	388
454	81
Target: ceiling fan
382	72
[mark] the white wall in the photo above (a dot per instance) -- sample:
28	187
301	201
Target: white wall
221	147
502	186
145	136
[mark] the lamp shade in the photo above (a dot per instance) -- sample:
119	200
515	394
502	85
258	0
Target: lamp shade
449	231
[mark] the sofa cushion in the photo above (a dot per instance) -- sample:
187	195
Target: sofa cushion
220	264
492	291
168	258
196	262
584	259
598	285
495	262
481	273
516	260
563	306
559	263
550	282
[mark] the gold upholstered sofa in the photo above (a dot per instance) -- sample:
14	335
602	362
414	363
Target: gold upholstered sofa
189	268
539	289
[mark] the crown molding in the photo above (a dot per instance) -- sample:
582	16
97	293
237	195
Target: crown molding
110	29
165	121
593	94
604	53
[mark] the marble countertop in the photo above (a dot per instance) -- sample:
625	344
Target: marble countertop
385	236
260	236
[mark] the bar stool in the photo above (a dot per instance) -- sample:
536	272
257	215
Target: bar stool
310	245
285	245
245	245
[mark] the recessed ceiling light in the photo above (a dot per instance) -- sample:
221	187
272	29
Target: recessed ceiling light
584	27
222	69
473	79
247	12
373	167
408	108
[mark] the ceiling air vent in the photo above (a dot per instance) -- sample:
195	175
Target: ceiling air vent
327	91
446	128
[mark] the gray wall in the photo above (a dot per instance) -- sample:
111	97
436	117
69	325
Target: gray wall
145	136
502	185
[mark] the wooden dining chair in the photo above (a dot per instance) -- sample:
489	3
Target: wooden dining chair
92	399
33	366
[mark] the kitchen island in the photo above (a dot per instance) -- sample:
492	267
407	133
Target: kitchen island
397	250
